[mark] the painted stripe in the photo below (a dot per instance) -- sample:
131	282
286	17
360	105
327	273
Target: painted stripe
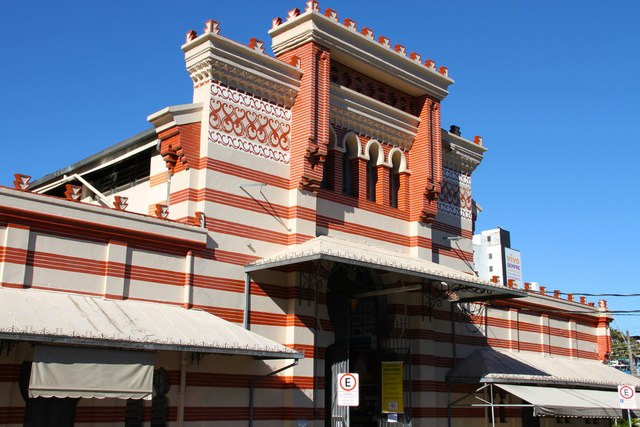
11	415
452	230
361	230
9	372
242	230
452	252
249	174
59	262
91	230
363	204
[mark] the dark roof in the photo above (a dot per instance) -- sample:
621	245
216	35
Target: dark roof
100	157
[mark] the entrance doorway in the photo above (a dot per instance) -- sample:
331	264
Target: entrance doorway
360	326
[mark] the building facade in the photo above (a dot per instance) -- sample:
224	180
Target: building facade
494	259
306	216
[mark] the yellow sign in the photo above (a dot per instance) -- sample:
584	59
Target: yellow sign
392	388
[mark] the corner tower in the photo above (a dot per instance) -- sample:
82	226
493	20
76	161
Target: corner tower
355	80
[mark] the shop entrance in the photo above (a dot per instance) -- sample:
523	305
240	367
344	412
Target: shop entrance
361	325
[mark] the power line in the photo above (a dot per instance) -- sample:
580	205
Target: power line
599	295
591	313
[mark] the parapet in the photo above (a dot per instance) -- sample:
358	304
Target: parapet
360	50
211	56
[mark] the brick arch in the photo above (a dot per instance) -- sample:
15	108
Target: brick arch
334	144
397	157
374	145
352	140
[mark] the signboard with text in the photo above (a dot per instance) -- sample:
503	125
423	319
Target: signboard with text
348	389
513	265
392	387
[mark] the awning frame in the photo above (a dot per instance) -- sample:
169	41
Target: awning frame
446	286
492	405
129	345
348	252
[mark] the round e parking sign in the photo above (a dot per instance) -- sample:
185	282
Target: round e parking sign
348	390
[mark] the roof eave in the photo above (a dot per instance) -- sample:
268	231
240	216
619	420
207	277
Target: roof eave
40	338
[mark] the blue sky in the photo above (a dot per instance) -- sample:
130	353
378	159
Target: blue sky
552	86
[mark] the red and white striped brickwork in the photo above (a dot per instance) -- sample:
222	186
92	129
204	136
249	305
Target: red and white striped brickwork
250	154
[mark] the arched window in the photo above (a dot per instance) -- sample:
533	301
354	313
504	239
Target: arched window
346	170
372	172
349	165
329	167
394	179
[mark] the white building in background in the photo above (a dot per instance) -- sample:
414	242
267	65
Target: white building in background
494	259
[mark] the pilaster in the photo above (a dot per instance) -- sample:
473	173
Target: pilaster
382	186
115	270
603	337
310	115
426	163
13	263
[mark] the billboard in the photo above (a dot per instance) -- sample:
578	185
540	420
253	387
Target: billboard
513	266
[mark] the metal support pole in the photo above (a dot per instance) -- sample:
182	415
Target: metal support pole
183	387
493	417
247	301
632	371
449	406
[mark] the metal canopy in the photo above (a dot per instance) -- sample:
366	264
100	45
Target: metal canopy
466	286
58	317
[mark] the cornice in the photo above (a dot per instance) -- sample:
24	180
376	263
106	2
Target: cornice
361	52
354	111
214	57
47	211
175	115
461	154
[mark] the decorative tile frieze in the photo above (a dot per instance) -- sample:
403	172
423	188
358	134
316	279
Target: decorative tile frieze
249	124
455	197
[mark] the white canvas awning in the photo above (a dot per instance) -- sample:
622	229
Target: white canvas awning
58	317
553	385
91	373
346	252
567	402
488	365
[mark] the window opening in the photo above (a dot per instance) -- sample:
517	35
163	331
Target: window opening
346	170
372	177
394	181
